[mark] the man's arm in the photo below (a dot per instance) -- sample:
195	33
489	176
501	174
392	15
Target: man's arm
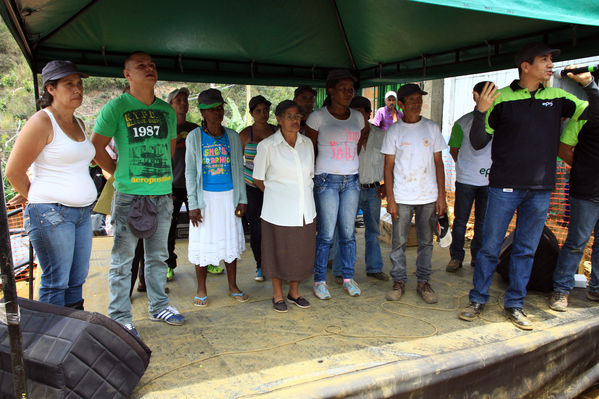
173	147
441	205
454	153
592	91
391	204
566	153
102	158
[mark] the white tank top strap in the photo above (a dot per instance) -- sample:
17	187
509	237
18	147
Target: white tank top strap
56	127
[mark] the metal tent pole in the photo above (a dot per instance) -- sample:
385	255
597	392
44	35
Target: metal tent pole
10	302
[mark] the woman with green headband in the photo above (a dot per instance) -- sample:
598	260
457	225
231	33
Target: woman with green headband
216	195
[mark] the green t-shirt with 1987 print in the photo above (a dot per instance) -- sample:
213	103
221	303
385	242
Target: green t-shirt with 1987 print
142	135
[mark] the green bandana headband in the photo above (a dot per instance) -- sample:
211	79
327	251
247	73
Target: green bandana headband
208	106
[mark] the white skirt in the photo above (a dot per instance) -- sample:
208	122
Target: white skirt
220	235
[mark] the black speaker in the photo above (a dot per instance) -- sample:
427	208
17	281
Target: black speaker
541	277
73	354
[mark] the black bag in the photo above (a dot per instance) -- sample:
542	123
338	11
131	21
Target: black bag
541	277
73	354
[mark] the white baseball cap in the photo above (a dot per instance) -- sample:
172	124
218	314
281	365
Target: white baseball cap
390	93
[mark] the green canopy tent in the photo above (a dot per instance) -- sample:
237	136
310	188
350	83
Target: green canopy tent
270	42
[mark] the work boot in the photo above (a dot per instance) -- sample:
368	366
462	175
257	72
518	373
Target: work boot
379	276
426	292
472	311
453	266
558	301
518	318
592	296
397	292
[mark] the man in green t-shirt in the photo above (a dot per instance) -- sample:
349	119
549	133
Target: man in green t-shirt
144	131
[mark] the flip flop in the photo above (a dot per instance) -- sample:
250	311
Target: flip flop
200	302
240	297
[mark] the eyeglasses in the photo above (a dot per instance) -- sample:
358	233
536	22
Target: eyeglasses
296	117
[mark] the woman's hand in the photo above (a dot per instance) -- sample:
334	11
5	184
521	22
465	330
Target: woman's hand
17	200
195	217
240	210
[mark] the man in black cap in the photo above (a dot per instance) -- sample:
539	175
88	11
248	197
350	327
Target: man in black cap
145	131
415	183
178	99
305	97
524	121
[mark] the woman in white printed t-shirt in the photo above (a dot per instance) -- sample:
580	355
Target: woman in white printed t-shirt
335	131
61	192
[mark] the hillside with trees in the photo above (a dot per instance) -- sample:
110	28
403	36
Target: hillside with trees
17	97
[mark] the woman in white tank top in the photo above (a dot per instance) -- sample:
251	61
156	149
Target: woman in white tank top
60	194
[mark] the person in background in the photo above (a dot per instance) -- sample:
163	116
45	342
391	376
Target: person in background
579	147
305	98
335	129
283	169
178	99
144	131
389	114
371	173
250	137
471	186
216	195
415	183
61	191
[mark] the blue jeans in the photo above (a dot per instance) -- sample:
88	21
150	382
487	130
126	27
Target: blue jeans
465	196
123	251
532	206
336	198
62	238
399	241
370	203
584	220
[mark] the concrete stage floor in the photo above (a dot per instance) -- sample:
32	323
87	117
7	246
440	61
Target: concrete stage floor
243	350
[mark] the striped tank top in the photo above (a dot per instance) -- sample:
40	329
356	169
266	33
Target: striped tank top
249	153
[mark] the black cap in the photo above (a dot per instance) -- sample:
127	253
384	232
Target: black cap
210	98
481	85
533	50
58	69
360	102
284	106
408	90
338	74
258	100
302	89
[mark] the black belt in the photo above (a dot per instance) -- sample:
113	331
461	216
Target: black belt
371	185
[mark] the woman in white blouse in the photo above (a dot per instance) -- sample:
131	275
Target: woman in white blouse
284	169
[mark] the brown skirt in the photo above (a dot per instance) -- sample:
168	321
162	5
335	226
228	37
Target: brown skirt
288	251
